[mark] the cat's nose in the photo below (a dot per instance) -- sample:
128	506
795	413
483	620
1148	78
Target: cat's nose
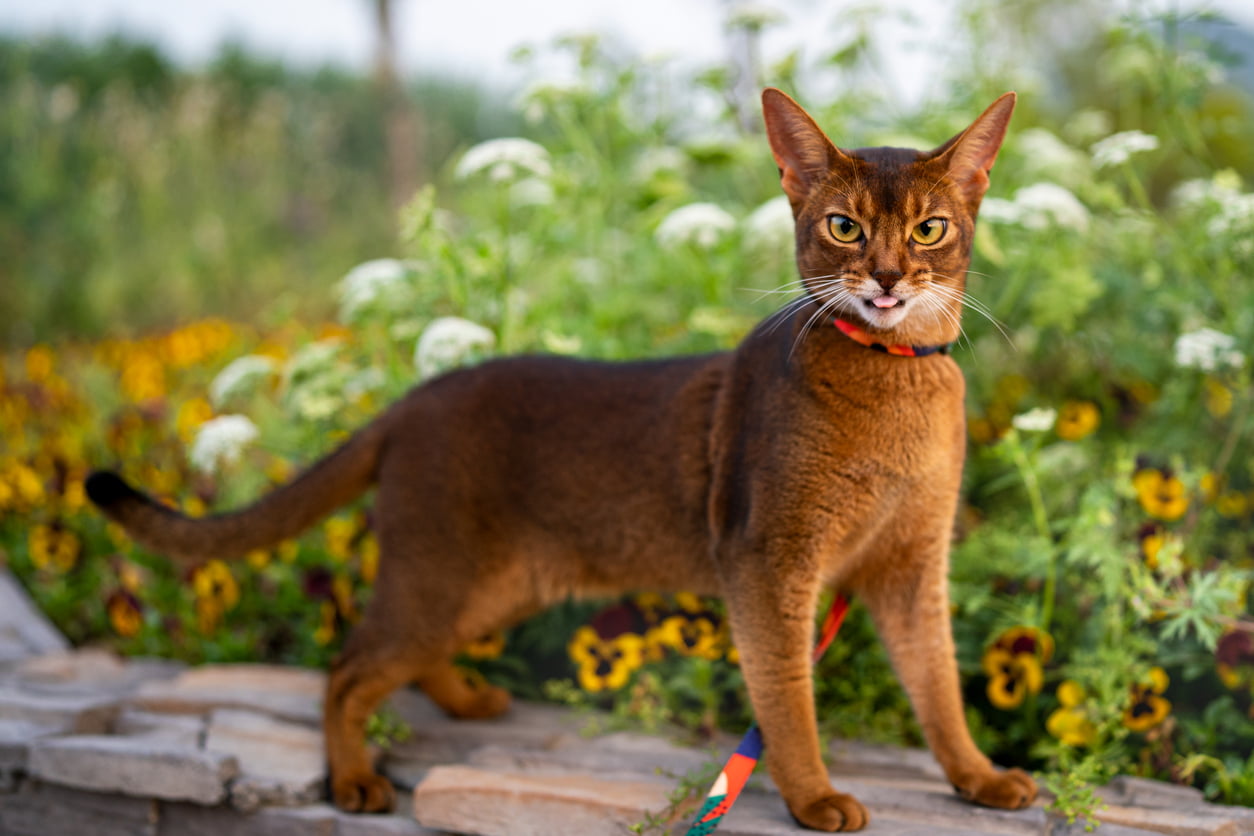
887	278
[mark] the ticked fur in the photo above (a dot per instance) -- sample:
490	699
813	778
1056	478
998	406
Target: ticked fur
800	460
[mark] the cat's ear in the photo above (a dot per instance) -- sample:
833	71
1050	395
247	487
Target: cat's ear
801	149
971	153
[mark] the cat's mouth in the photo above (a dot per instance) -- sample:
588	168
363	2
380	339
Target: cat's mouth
885	301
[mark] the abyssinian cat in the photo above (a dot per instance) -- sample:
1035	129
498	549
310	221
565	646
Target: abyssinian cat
801	460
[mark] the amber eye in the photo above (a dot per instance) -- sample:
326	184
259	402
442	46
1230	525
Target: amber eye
843	229
930	231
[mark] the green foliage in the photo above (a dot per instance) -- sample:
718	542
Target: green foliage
1101	573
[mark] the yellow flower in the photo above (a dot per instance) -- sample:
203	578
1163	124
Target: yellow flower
143	377
53	546
690	635
216	593
288	551
258	559
1161	495
1232	504
1218	398
342	591
1210	485
1069	722
486	647
40	362
369	558
191	415
125	613
326	627
1014	663
1077	419
1146	707
339	533
605	664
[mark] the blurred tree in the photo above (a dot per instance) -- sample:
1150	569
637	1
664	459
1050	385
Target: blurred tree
402	125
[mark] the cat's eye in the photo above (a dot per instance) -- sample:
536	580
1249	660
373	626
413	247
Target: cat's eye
844	229
930	231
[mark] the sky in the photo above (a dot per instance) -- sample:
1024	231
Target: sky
476	37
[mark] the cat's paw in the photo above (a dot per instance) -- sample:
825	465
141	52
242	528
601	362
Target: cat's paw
1009	790
831	813
363	793
483	702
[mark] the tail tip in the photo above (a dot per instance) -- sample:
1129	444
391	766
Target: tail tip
106	488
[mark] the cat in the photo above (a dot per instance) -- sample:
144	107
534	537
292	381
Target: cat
801	460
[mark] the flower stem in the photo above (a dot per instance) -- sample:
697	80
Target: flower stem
1040	518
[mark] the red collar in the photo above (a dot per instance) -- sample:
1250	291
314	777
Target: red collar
861	337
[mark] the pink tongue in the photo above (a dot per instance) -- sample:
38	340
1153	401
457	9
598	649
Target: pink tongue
885	301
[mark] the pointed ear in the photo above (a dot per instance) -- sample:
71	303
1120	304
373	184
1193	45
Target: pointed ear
971	153
802	151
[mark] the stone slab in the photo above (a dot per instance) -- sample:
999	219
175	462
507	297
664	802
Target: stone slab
184	729
21	622
133	766
484	802
288	693
621	753
38	809
16	738
280	762
1212	821
81	714
91	672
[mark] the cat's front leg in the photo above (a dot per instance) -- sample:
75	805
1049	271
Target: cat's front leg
908	596
771	605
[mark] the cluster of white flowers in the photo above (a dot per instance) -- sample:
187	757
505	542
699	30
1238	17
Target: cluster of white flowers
1208	350
239	376
1038	206
505	159
531	191
1235	216
1206	192
448	341
700	224
770	227
1037	420
1119	148
221	441
370	282
654	162
1049	158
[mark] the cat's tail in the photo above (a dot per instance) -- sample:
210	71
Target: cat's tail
284	513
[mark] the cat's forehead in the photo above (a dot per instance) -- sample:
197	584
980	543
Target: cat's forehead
887	180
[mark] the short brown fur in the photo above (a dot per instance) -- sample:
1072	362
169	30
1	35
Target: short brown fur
799	461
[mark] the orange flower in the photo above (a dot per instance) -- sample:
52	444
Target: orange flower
126	615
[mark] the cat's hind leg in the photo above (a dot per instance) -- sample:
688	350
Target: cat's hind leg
462	693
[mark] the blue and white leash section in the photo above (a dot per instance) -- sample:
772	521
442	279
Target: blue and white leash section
740	765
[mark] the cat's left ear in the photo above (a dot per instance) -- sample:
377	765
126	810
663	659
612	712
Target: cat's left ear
971	153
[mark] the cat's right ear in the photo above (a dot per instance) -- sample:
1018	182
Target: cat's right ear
801	149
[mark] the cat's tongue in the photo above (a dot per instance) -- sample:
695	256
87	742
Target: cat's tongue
885	301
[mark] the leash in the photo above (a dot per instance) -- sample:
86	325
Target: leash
735	774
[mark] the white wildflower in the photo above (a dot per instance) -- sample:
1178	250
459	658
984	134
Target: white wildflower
1087	125
1047	157
221	441
1208	350
239	376
1236	215
362	383
448	341
998	210
1038	206
560	343
312	361
771	227
370	282
702	224
654	162
752	16
531	191
1037	420
539	98
1119	148
1206	192
509	158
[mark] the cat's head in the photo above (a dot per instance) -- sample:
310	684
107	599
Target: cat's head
884	234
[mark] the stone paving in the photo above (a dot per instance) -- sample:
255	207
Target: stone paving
94	745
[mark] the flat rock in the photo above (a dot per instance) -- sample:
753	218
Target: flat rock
81	714
620	753
288	693
89	672
280	762
22	625
467	800
16	736
849	757
133	766
38	809
183	729
180	819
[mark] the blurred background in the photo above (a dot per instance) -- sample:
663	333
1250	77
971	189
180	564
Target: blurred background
162	160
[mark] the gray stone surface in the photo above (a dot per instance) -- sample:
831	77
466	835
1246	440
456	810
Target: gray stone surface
288	693
42	810
184	729
280	762
133	766
22	626
81	714
89	672
16	738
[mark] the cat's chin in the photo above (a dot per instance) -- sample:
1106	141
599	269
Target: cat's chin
881	318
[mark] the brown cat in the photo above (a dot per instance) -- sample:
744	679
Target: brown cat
799	461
